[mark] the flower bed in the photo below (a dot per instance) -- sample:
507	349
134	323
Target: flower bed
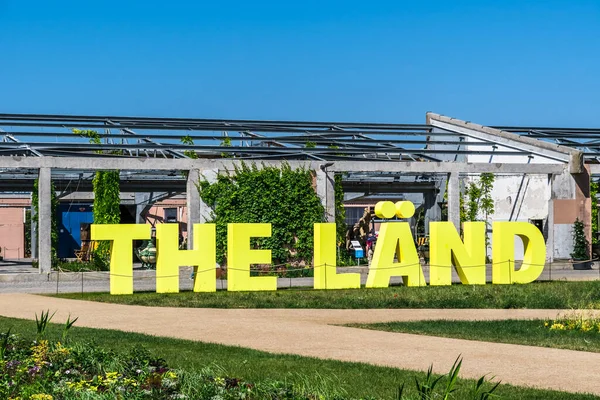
574	322
50	370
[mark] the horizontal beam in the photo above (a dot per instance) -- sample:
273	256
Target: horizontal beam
164	164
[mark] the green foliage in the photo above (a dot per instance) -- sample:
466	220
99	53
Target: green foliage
478	199
189	141
340	211
594	197
580	243
310	145
226	142
107	200
42	322
109	350
92	135
54	224
283	197
426	387
51	369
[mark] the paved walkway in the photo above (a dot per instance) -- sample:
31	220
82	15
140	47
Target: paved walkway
313	333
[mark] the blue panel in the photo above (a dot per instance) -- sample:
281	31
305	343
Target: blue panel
70	218
359	253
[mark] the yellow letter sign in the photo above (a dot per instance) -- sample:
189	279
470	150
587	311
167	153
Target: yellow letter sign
445	247
503	252
170	258
326	276
240	256
395	239
121	248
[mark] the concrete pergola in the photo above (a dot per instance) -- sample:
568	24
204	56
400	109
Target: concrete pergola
563	165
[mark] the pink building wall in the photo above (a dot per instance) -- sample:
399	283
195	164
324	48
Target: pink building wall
156	214
12	227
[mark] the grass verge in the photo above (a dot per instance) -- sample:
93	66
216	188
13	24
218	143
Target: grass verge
355	379
563	295
530	333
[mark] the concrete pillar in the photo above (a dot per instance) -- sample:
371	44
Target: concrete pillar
34	235
197	210
45	220
193	204
570	199
326	192
433	212
454	200
209	175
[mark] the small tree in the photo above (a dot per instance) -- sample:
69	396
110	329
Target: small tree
580	243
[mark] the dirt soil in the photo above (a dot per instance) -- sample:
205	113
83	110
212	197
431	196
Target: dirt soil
310	332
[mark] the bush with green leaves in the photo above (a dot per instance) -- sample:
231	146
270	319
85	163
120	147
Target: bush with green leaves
282	196
580	243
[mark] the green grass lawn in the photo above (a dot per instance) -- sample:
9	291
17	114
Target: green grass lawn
354	378
530	333
564	295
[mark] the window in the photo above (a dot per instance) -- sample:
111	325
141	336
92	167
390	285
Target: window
170	214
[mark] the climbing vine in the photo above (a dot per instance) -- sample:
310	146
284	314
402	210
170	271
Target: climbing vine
281	196
340	211
594	197
53	210
107	200
189	141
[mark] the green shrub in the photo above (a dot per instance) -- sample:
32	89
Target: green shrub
280	196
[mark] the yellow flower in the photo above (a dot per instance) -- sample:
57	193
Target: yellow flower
170	375
557	327
41	396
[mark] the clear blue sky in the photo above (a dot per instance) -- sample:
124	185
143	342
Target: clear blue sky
492	62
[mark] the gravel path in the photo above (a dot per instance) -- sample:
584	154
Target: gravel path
313	333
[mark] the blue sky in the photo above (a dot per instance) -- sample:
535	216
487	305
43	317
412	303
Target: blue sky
501	62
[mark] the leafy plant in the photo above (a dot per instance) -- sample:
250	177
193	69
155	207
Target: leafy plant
189	141
281	196
340	211
580	243
42	322
426	387
594	198
107	200
4	344
68	325
481	393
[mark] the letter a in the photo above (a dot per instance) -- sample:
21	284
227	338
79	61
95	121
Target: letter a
395	239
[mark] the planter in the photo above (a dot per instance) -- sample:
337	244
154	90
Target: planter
596	250
580	265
